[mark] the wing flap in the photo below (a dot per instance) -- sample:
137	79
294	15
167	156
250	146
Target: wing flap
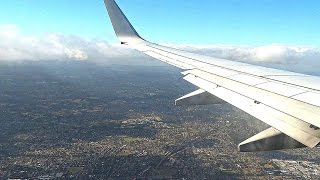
198	97
269	140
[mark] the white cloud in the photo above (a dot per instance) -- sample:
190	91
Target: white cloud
15	46
8	30
271	53
293	58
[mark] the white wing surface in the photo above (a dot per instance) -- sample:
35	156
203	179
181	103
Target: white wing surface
288	102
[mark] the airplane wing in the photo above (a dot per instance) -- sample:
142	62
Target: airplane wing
288	102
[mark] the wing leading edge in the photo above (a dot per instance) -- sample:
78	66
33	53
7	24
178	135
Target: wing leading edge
289	102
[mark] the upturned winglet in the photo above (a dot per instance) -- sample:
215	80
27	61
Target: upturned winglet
121	25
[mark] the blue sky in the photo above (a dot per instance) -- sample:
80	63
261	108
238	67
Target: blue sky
239	22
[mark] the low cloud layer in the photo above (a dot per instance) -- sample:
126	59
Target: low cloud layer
293	58
278	54
15	46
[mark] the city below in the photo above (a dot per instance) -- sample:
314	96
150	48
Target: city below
80	120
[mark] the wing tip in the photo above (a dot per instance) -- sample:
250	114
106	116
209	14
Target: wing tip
121	25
